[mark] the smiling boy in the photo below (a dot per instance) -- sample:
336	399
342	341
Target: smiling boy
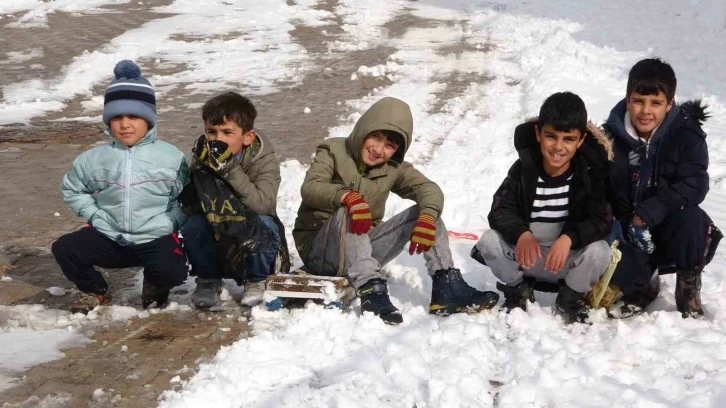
339	229
245	159
658	178
550	216
126	190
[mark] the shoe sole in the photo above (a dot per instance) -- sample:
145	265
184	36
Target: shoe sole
445	310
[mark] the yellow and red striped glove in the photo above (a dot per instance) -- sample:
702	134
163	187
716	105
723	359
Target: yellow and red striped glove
360	213
424	234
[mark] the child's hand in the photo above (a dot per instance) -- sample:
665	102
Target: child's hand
219	155
424	234
360	213
559	251
200	149
527	250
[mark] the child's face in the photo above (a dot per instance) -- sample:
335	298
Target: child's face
128	129
558	148
231	133
647	111
377	149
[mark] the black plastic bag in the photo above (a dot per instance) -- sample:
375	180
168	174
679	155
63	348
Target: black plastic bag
237	230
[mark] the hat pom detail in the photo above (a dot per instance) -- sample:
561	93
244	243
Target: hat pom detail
127	69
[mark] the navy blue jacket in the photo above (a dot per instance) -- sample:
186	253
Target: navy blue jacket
680	160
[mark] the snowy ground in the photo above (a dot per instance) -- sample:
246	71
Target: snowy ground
325	358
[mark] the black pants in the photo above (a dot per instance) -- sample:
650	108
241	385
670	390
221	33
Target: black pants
77	253
680	244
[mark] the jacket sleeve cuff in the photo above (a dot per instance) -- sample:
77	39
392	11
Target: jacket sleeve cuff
649	222
515	234
432	212
573	238
88	212
339	196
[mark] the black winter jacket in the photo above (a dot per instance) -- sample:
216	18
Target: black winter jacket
681	163
589	217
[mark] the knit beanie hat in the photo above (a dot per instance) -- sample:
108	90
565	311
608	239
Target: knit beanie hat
129	94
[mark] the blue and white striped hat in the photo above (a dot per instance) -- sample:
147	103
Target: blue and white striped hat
129	94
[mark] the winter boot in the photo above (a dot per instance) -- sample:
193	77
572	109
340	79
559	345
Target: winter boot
151	293
451	294
688	293
88	301
207	293
572	305
374	298
635	303
253	293
516	296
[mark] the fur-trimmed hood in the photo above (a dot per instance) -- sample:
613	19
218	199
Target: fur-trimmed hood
597	149
695	110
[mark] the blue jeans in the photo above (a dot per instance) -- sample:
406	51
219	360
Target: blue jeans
202	253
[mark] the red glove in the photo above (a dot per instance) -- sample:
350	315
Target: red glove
360	213
424	234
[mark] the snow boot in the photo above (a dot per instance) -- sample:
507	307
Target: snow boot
688	293
151	293
451	294
374	298
517	296
635	303
88	301
572	305
207	293
253	293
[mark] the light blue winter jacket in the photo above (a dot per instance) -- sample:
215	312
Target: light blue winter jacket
128	194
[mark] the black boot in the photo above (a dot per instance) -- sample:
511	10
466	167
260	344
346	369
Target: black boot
151	293
451	294
635	303
374	298
572	305
688	293
516	296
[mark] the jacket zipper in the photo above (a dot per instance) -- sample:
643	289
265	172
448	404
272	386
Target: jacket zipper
127	189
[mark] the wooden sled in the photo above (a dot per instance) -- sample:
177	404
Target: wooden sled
328	290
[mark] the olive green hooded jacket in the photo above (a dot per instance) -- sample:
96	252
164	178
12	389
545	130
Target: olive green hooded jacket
335	171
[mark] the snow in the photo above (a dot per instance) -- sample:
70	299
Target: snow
471	71
516	53
199	40
15	6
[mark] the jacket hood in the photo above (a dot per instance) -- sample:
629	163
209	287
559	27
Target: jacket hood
597	148
695	110
260	147
150	136
386	114
616	120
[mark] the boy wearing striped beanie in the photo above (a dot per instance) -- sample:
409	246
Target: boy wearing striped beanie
126	190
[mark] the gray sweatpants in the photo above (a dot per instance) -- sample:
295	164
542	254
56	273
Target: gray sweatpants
581	271
360	257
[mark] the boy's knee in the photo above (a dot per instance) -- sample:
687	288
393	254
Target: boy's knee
61	246
489	242
599	253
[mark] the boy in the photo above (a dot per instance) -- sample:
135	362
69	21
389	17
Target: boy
127	192
338	230
549	217
245	159
658	178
